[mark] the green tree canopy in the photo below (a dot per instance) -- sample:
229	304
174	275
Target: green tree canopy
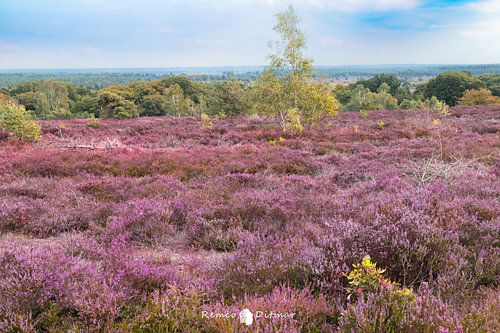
450	86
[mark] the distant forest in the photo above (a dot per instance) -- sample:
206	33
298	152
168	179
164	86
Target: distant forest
99	78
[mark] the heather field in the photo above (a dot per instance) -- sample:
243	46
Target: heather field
166	224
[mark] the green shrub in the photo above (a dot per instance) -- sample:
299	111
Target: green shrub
18	122
94	123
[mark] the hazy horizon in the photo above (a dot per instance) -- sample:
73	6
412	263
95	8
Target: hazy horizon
249	67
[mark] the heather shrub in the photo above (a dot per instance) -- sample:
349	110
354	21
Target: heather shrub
143	221
52	290
283	310
411	252
174	310
216	234
138	273
376	304
91	233
258	266
482	317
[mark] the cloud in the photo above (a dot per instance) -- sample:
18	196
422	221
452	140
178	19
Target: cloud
484	29
6	47
485	6
352	5
330	41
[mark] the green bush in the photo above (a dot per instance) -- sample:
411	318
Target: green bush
18	122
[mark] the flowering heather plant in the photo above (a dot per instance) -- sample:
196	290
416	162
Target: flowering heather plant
283	310
102	238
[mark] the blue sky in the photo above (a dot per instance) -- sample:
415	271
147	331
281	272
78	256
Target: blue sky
178	33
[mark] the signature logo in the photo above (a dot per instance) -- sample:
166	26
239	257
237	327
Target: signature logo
246	317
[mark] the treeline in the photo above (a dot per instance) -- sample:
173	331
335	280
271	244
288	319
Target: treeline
99	80
96	79
386	91
181	96
176	95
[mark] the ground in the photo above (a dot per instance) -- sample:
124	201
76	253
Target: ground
98	219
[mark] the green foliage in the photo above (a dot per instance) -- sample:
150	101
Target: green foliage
363	100
391	83
86	107
268	94
384	303
491	82
229	97
190	89
24	87
450	86
292	123
283	90
374	83
18	121
206	123
47	99
436	105
36	102
175	102
342	93
154	105
289	57
365	278
115	106
57	97
316	101
94	123
478	97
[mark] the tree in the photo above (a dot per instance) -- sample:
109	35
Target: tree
189	88
342	93
450	86
86	107
18	122
36	102
363	99
24	87
315	101
478	96
375	82
289	56
57	96
115	106
491	82
284	89
228	97
154	105
176	103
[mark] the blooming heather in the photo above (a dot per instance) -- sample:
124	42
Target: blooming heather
140	225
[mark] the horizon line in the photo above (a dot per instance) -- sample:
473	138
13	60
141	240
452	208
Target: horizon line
235	66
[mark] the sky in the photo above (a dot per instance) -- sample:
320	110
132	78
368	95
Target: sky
191	33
